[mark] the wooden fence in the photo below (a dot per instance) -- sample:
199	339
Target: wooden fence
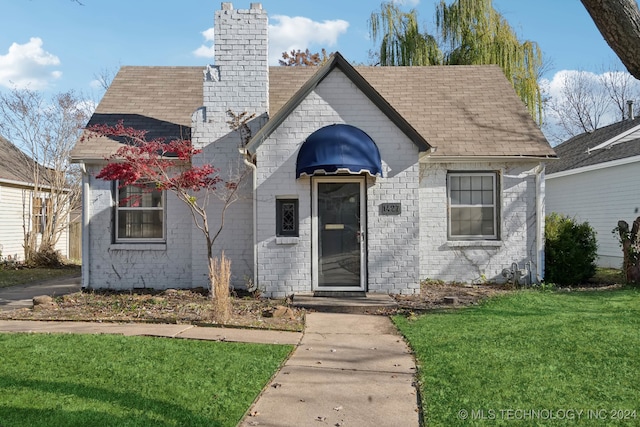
75	240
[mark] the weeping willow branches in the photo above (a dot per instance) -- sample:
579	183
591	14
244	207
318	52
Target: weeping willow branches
472	32
402	43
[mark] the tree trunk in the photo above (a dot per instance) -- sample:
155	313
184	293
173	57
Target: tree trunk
219	277
619	24
630	250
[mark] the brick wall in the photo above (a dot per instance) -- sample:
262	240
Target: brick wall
239	81
127	266
481	260
393	257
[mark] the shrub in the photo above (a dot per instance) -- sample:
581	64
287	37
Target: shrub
47	257
570	250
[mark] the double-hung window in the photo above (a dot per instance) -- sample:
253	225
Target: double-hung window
473	205
140	214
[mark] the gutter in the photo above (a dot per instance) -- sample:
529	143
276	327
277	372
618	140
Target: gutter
254	197
540	221
467	159
26	184
85	229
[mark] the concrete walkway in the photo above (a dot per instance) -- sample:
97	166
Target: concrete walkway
347	369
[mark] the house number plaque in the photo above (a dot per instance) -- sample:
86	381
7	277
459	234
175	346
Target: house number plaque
390	209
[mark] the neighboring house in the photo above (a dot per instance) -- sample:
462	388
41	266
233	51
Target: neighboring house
596	180
22	210
365	178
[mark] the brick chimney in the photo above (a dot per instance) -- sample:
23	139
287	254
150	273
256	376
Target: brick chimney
239	79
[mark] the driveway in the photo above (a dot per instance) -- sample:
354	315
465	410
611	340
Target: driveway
21	296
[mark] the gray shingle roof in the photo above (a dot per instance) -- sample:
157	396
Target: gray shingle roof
578	151
13	163
160	100
461	110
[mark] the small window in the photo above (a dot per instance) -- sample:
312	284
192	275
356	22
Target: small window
473	208
41	210
287	217
139	214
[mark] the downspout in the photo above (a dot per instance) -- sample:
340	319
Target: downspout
248	162
540	210
85	228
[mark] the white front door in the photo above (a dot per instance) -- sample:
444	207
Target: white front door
339	215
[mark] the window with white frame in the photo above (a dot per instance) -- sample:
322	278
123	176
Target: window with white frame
139	214
473	205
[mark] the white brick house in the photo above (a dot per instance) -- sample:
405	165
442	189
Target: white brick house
365	178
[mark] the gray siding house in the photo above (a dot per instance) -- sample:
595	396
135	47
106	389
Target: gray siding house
596	180
364	178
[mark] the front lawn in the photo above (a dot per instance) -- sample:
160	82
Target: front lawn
107	380
531	358
11	276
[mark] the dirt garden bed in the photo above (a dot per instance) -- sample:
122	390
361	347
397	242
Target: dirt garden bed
194	307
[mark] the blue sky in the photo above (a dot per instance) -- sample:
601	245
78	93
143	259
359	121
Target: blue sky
58	45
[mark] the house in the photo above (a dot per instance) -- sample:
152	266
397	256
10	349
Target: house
596	180
22	205
363	178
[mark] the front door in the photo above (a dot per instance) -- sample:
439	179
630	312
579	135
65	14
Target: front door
338	224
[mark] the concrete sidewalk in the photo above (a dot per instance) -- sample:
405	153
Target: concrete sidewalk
349	370
153	330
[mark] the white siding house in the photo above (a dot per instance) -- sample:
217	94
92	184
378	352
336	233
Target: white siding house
21	208
363	179
596	180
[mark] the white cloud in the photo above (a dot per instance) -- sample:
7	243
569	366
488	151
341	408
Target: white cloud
289	33
293	33
28	65
206	51
410	3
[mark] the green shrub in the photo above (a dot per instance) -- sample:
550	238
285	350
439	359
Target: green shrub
570	250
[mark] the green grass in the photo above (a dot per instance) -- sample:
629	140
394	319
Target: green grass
607	276
529	351
11	277
107	380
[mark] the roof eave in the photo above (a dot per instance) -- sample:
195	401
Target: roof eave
596	166
465	159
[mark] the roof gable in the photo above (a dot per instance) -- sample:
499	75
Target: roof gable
337	61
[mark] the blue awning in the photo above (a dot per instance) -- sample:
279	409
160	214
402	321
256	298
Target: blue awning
336	149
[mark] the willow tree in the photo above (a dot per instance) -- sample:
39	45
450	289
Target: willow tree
475	33
402	43
472	32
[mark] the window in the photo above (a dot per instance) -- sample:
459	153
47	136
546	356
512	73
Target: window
40	208
287	217
473	209
140	214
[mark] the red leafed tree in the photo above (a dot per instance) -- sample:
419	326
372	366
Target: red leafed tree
167	166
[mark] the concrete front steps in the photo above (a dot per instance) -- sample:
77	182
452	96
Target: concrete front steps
345	302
